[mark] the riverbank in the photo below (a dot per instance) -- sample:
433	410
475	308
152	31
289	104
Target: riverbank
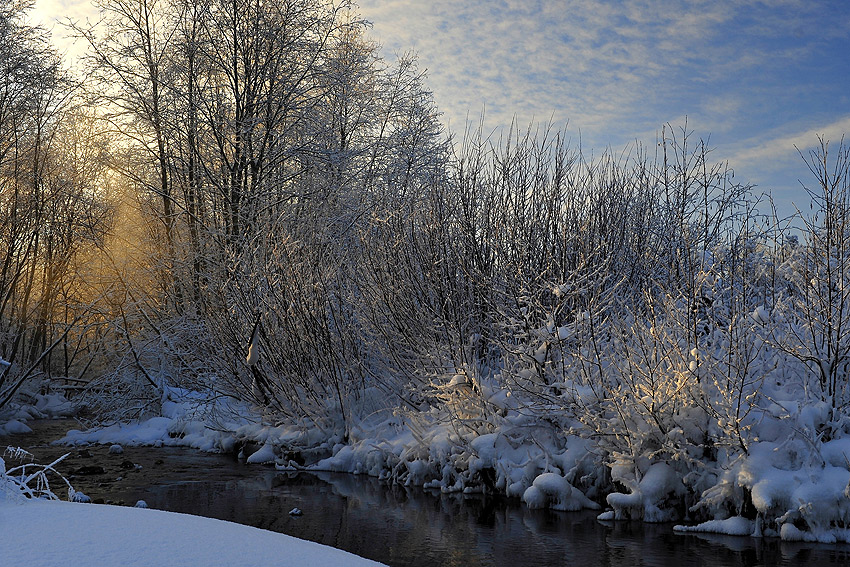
52	533
399	526
785	485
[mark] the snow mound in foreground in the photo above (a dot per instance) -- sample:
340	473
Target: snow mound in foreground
97	535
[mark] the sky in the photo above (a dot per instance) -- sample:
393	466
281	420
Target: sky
754	78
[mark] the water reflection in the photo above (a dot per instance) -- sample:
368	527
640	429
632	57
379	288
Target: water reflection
408	527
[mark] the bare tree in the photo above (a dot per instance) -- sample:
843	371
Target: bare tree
50	207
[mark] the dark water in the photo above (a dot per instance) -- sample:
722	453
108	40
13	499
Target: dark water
399	526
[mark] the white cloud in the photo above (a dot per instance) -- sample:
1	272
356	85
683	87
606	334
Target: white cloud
785	146
601	65
751	74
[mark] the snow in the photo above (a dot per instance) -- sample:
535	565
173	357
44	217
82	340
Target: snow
837	452
658	484
788	482
14	426
554	491
264	455
14	415
730	526
89	535
80	497
459	380
760	315
253	354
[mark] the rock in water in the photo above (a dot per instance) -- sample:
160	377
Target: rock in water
296	512
80	497
116	450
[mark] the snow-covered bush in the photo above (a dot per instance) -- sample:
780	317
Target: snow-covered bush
817	297
30	480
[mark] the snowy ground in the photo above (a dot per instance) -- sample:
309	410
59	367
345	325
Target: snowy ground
44	533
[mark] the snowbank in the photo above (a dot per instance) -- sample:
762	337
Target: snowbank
188	419
40	533
264	455
14	426
27	406
787	484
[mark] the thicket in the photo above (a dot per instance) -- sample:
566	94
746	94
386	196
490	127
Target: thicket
274	173
54	213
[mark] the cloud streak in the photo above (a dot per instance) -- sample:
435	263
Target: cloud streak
783	147
590	46
739	70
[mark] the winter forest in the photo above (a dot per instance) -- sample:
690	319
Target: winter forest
237	222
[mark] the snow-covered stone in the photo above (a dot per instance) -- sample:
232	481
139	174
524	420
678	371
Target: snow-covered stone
554	491
264	455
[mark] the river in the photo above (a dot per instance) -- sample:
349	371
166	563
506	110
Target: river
402	527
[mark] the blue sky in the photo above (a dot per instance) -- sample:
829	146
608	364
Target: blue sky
757	77
754	77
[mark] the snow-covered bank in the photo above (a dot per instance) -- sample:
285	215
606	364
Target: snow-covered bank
783	476
784	486
40	533
27	406
39	530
